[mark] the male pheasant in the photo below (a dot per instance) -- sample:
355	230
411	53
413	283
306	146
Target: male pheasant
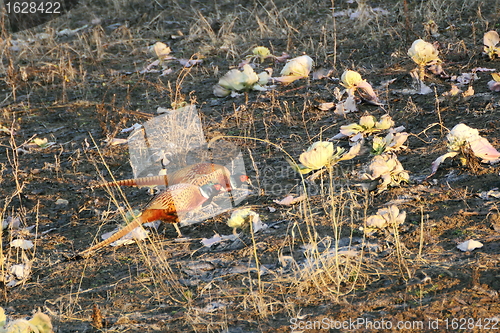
168	206
197	174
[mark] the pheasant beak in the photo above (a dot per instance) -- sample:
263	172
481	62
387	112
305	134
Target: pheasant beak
237	181
245	179
219	188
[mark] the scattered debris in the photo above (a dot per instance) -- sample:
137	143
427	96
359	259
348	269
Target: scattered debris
290	200
22	244
62	202
469	245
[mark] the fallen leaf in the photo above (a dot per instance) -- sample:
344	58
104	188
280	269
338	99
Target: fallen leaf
464	78
70	32
483	69
469	92
22	244
453	91
212	307
40	143
424	89
161	50
166	71
287	79
353	152
189	62
149	68
62	202
12	223
257	223
216	239
117	141
321	73
20	271
494	85
4	129
485	151
290	200
326	106
469	245
284	56
131	128
439	160
349	105
487	195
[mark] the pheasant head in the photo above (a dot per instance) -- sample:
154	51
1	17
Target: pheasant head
239	179
210	190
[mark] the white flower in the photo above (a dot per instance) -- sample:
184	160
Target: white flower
390	216
350	79
300	66
242	218
262	53
391	142
351	129
220	91
367	122
317	155
384	123
161	50
321	154
367	125
388	169
490	41
353	82
423	53
238	81
462	136
264	78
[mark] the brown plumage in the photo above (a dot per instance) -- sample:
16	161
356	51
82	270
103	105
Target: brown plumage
197	174
168	206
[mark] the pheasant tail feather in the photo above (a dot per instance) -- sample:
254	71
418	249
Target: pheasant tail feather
143	181
137	222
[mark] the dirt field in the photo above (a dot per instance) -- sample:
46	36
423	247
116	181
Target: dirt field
314	269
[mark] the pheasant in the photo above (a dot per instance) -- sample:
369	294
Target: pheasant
168	206
197	174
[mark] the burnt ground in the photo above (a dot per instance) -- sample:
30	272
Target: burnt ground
80	91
